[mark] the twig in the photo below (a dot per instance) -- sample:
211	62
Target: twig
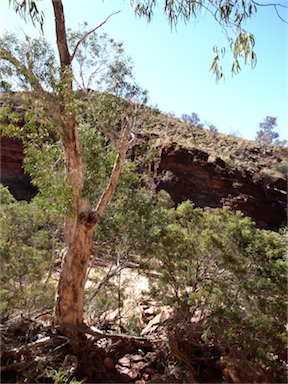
39	343
89	33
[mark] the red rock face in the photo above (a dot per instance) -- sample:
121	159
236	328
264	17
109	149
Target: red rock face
187	174
11	157
12	173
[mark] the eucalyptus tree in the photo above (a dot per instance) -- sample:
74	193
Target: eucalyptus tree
266	135
50	112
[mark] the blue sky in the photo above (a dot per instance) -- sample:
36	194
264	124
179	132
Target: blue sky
174	66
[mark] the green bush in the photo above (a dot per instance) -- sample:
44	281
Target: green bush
28	237
226	277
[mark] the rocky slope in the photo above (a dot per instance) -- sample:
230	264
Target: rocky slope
216	170
211	169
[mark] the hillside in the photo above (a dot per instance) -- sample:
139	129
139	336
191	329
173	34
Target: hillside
215	170
211	169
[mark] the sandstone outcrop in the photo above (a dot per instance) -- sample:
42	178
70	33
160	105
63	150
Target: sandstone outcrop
188	174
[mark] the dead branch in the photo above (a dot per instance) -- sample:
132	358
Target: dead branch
139	341
36	344
179	355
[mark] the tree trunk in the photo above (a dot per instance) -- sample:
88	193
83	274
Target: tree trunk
80	223
81	220
79	235
69	304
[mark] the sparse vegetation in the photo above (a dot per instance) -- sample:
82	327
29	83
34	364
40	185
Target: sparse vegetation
243	154
192	119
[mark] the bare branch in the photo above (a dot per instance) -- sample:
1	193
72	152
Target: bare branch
278	14
275	6
97	334
89	33
270	4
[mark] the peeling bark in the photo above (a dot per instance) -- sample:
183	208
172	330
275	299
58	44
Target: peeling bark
70	292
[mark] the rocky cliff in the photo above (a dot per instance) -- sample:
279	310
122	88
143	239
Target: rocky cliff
215	170
188	174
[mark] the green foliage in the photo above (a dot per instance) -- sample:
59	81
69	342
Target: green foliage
128	221
24	64
227	276
283	169
61	376
28	237
22	60
99	132
28	10
230	15
102	64
121	238
27	65
45	164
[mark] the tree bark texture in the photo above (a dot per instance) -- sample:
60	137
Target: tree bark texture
69	304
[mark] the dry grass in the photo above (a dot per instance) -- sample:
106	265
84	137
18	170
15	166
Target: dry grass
242	154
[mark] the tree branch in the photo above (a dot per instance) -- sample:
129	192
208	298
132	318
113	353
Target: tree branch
275	6
89	33
35	84
127	125
26	72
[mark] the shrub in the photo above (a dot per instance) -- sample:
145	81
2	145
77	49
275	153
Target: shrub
227	277
28	236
